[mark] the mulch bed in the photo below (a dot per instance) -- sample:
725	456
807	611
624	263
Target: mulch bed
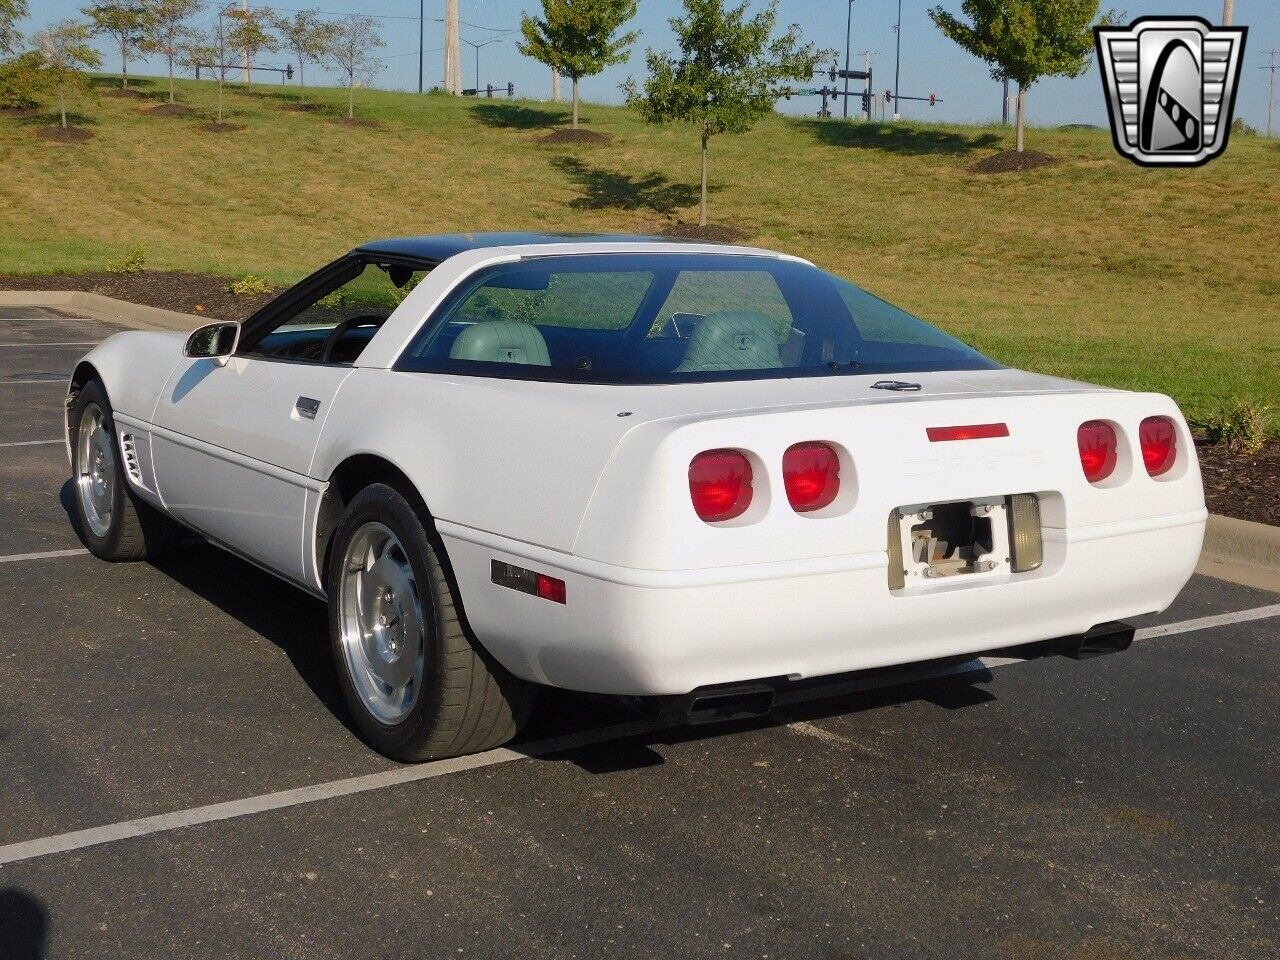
66	135
301	107
357	122
1011	161
571	136
195	293
223	127
20	113
713	232
125	92
1244	487
171	110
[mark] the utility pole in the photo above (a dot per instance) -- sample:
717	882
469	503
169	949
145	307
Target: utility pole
848	37
1271	100
1228	7
244	72
452	49
897	64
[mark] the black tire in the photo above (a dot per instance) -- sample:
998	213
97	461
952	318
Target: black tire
467	702
137	530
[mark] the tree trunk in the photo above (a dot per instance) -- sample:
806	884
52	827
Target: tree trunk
220	97
124	64
171	100
302	84
351	97
575	103
62	105
1022	106
702	207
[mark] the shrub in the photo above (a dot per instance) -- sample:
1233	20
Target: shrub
1240	425
251	286
134	261
22	85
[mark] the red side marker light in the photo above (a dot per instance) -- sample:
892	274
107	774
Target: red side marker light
528	581
811	474
1096	441
549	588
720	485
1159	444
972	431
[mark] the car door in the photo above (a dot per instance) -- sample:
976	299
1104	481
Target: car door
233	439
232	445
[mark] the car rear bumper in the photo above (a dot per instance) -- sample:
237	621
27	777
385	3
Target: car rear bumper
650	633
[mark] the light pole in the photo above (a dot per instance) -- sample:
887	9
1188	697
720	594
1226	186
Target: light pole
477	47
848	36
422	35
1271	100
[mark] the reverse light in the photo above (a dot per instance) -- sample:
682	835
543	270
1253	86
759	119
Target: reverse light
1159	442
811	474
1096	440
720	485
972	431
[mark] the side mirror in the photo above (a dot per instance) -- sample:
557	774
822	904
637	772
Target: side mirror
214	341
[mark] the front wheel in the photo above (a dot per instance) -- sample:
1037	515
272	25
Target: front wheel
419	688
111	520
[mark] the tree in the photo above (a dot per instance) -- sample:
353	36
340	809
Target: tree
65	50
209	50
11	11
354	40
1025	40
22	81
248	34
578	38
308	37
730	72
166	30
122	20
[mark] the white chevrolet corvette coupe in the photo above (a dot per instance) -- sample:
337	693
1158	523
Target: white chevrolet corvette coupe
682	474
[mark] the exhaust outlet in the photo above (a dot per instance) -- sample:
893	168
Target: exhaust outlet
735	703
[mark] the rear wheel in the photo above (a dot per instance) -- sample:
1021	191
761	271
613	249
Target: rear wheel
111	520
418	686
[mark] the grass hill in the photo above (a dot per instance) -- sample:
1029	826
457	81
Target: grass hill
1092	268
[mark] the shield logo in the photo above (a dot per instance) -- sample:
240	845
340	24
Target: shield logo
1170	84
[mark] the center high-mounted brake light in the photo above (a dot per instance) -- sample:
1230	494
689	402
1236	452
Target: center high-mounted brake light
811	474
720	485
972	431
1096	441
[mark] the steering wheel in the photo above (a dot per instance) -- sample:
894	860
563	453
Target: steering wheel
345	327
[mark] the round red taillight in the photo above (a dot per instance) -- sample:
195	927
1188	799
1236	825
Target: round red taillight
720	485
1097	442
1159	442
811	474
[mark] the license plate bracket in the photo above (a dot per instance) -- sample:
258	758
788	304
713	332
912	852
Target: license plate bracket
960	538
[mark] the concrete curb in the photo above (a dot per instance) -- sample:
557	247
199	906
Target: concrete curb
95	306
1241	551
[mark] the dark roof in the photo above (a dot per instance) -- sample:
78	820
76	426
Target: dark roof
442	246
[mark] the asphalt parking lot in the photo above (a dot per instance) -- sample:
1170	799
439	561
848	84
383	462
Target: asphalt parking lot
177	780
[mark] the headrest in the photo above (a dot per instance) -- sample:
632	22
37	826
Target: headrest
732	340
501	341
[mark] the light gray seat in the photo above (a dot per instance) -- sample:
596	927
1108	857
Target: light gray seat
731	340
501	341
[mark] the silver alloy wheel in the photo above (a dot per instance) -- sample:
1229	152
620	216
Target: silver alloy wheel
96	474
380	615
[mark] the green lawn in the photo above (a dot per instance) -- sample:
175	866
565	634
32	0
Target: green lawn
1094	268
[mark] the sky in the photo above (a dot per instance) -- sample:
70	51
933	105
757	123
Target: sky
929	63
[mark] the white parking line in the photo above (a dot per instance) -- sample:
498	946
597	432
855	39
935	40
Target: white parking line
67	343
58	381
46	555
30	443
399	776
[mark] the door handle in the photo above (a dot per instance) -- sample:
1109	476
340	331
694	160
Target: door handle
307	408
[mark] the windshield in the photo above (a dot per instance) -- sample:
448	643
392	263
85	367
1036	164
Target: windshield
674	317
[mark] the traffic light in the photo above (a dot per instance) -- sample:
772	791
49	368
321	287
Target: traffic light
888	96
933	99
288	71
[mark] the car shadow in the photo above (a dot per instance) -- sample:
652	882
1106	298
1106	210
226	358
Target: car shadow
514	116
610	190
24	925
899	138
294	621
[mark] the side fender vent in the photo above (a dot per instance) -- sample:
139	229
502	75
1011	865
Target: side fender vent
131	464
